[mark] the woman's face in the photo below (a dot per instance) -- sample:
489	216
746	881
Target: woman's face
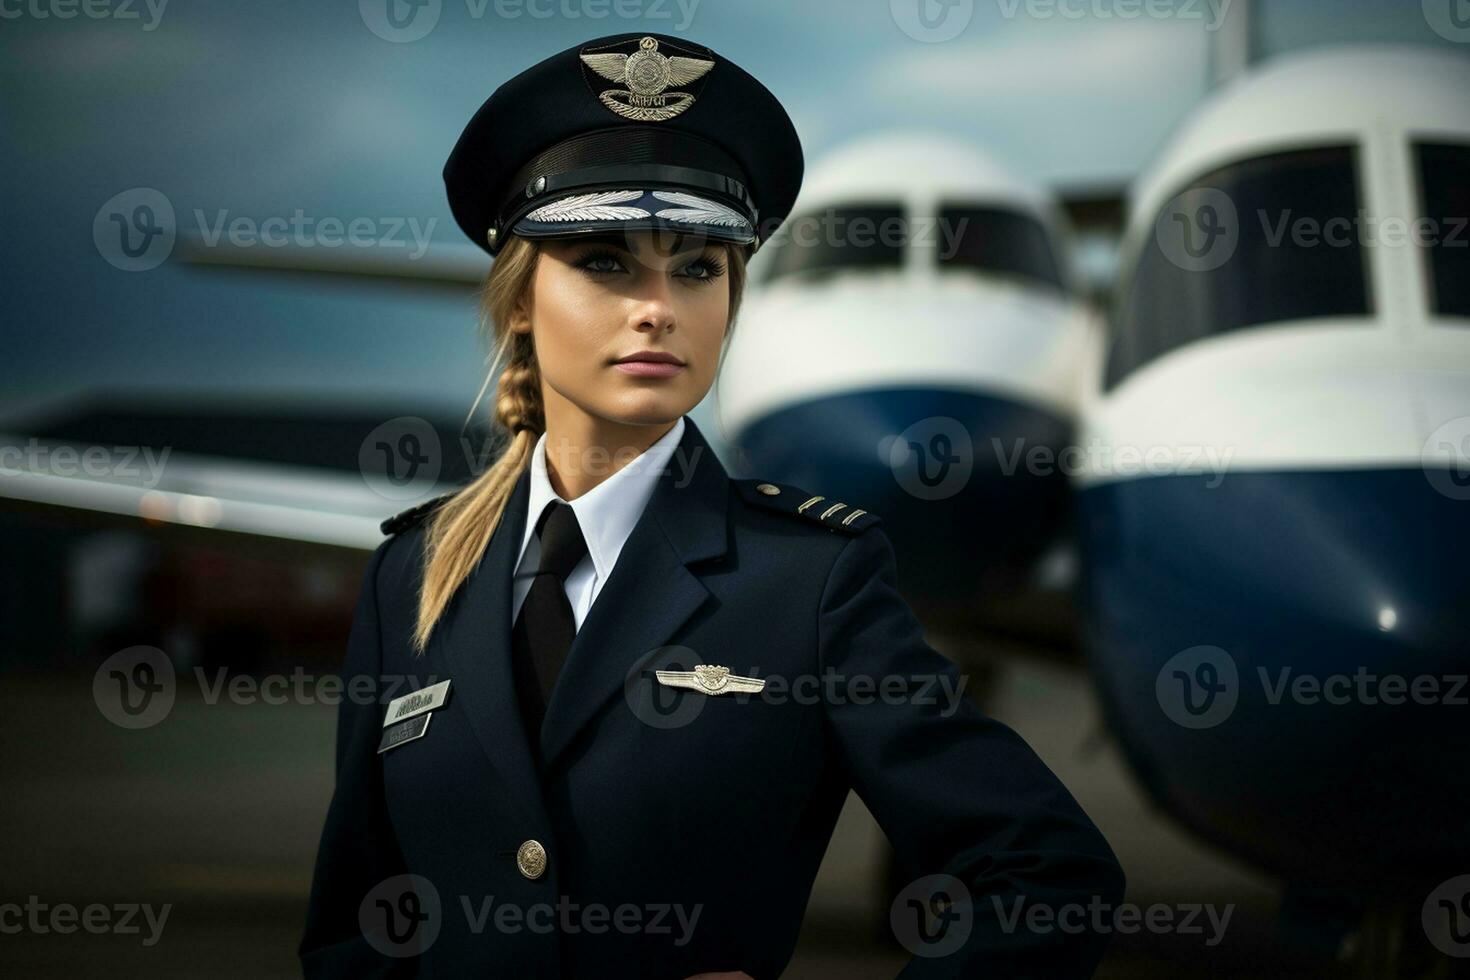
595	300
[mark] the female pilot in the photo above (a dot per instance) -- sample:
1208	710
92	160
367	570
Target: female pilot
620	697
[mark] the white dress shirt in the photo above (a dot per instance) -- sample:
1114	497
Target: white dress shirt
606	514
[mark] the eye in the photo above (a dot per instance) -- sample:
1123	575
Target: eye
600	262
706	268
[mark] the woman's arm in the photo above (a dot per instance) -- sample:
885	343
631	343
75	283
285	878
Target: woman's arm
959	793
358	849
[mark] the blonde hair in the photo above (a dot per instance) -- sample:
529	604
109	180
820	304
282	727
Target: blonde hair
459	530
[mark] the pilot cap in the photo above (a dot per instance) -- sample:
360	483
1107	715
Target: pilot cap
628	132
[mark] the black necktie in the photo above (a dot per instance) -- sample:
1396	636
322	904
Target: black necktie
544	629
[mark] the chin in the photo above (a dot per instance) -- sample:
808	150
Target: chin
651	410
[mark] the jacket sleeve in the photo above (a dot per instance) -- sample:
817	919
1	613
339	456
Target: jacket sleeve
958	793
358	849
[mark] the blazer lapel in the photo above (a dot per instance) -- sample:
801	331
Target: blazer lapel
477	647
651	591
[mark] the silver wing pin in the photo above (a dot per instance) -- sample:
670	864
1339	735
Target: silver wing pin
710	679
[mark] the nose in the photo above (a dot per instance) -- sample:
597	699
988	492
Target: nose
654	313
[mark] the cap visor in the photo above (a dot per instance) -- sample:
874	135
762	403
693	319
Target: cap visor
636	210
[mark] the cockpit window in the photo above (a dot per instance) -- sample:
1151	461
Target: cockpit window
1444	182
1260	241
996	240
858	237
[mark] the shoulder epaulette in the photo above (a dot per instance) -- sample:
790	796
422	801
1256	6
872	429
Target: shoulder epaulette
835	515
403	520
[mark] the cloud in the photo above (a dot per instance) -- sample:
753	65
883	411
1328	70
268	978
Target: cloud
1055	98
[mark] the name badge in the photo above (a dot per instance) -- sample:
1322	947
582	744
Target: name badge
404	731
417	703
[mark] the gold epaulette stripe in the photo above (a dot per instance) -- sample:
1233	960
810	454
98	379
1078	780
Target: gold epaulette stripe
849	518
804	506
831	510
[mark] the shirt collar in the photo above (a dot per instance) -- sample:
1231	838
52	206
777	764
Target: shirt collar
607	512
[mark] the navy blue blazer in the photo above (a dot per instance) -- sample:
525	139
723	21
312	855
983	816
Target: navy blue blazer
675	831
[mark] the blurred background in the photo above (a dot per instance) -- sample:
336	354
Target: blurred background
1173	442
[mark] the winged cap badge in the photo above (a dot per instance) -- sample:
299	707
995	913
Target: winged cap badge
649	75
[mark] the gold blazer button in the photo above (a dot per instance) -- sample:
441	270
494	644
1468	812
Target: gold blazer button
531	859
768	489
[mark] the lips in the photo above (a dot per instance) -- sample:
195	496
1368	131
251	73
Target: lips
649	364
650	357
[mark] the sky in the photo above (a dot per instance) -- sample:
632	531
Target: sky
326	110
